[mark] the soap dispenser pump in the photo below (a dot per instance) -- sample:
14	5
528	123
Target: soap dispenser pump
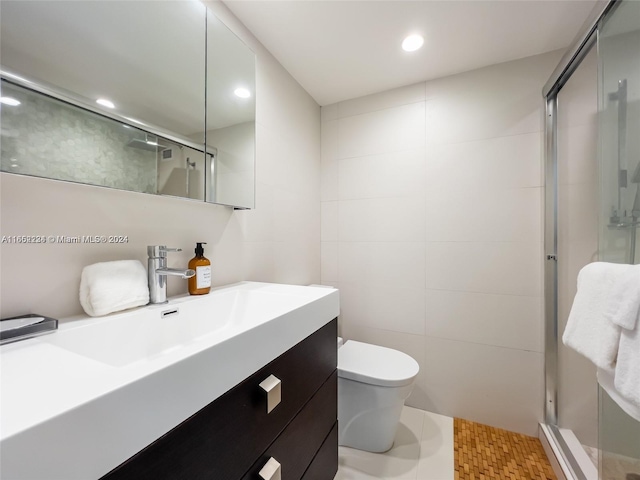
200	283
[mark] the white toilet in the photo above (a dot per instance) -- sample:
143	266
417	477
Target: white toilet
373	383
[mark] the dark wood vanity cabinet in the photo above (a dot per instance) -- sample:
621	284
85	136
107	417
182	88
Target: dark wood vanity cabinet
233	437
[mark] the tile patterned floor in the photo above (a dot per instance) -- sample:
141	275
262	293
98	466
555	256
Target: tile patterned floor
483	453
425	449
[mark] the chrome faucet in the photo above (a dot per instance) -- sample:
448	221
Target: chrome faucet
158	272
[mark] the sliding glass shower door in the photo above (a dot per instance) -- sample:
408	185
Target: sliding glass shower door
577	180
619	159
592	213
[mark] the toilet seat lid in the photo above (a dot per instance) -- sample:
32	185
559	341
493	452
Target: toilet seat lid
376	365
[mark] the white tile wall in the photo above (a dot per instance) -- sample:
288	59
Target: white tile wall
329	261
380	101
257	224
496	101
511	321
329	160
579	165
431	196
399	174
389	219
329	221
389	130
385	307
509	268
279	241
501	162
392	264
578	206
508	215
497	386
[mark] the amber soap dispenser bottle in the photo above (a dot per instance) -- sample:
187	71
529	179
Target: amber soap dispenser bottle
200	283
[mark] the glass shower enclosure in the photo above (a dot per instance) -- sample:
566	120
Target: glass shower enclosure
592	212
619	154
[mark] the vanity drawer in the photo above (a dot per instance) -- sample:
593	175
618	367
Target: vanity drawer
296	447
224	439
325	464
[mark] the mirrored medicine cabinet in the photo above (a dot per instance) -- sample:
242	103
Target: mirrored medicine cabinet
146	96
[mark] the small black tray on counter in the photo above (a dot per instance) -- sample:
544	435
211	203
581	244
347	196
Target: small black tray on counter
25	326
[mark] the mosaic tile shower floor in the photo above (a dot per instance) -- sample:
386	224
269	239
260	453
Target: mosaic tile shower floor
483	453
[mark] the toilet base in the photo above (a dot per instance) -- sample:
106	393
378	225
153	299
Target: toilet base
368	415
367	432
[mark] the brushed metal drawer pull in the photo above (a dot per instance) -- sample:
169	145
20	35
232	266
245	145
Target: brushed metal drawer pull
273	386
271	469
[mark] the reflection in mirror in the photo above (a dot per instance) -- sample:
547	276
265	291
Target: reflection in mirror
45	137
146	57
230	116
181	171
114	93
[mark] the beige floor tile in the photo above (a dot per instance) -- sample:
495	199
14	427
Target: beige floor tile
436	448
401	462
423	450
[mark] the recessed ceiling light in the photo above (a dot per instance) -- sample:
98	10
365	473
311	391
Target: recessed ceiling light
9	101
105	103
14	165
412	43
242	92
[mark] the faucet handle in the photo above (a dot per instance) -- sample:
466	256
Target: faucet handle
167	249
157	251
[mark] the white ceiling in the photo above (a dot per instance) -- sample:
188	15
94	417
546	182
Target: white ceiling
339	49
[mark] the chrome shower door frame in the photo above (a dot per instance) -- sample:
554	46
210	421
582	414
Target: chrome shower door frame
565	69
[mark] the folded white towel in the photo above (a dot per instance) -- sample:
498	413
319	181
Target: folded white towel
624	311
590	330
627	376
624	298
112	286
606	381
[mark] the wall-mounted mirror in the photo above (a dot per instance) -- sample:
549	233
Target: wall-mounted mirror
153	62
231	113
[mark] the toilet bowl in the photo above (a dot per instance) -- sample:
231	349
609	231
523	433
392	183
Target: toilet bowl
373	383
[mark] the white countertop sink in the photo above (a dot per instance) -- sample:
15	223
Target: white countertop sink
78	402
